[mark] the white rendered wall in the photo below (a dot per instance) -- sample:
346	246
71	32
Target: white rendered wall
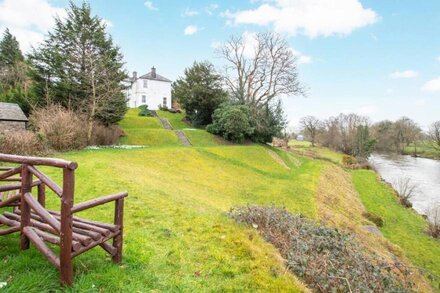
154	94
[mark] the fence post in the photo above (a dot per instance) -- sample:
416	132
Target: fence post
26	186
66	267
119	220
42	194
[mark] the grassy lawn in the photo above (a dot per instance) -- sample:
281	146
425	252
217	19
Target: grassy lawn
146	131
305	148
203	138
176	119
133	121
402	226
177	234
424	149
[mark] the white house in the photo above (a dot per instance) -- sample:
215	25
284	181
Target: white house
149	89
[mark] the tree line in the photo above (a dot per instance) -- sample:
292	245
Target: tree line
77	67
356	135
241	100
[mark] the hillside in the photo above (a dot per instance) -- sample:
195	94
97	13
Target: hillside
178	236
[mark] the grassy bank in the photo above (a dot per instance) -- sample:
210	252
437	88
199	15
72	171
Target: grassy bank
424	150
403	227
178	236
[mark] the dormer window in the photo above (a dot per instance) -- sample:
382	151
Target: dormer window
145	83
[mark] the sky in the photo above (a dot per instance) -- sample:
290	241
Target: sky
375	58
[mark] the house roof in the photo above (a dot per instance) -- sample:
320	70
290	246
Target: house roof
11	112
158	77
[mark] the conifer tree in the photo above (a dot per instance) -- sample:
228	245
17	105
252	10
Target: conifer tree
79	67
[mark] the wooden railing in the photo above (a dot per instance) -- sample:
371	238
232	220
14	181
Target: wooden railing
39	225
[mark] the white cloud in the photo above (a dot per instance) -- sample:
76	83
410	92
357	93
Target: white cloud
438	58
404	74
420	102
211	8
390	91
150	5
28	20
312	18
107	23
190	30
189	12
301	58
432	85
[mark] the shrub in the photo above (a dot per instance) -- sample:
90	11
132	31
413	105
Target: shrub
232	122
433	215
349	161
144	111
378	221
326	259
406	190
63	129
22	142
103	135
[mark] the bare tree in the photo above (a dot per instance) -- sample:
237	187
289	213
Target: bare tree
433	215
310	126
406	190
434	134
259	68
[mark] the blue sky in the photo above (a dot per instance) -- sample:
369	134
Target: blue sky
377	58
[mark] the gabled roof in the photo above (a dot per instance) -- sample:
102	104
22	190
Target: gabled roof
11	112
158	77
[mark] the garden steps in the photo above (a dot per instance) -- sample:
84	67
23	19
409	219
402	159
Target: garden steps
185	141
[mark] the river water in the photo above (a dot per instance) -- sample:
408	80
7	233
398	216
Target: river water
425	173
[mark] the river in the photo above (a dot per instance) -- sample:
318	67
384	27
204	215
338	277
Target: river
425	173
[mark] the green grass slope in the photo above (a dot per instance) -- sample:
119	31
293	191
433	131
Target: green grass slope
146	131
402	226
178	236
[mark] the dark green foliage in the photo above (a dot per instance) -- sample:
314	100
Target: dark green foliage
13	73
364	144
17	96
199	92
326	259
268	122
10	53
80	68
144	111
232	122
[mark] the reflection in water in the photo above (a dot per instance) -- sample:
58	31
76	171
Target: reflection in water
425	173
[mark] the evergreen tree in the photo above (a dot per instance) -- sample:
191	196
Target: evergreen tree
10	53
79	67
199	92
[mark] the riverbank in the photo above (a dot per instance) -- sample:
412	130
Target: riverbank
424	150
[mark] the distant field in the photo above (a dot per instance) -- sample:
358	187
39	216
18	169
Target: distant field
305	148
424	149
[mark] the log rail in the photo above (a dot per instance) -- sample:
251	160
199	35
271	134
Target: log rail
38	225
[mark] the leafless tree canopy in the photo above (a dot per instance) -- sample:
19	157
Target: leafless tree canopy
310	126
259	73
406	190
434	134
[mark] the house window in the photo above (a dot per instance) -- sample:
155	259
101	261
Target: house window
144	99
145	83
164	102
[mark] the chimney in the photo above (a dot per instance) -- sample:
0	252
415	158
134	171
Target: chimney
153	72
135	75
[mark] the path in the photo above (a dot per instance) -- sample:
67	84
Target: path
180	134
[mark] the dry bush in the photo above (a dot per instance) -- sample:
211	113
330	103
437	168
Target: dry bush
103	135
63	129
406	190
326	259
22	142
433	215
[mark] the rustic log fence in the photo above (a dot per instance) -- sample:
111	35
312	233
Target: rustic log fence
39	225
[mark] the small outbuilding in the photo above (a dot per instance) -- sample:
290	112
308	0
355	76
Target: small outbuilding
12	117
